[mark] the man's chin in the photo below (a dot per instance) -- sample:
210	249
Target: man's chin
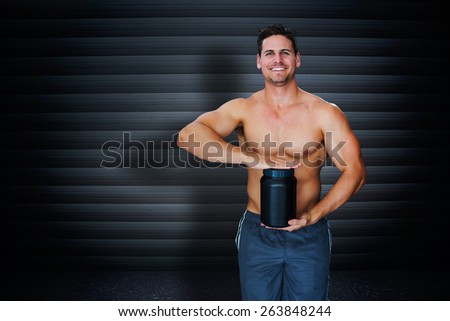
279	83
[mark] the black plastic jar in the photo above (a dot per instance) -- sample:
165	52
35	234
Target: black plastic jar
278	196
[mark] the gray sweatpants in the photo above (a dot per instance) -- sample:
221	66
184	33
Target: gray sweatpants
279	265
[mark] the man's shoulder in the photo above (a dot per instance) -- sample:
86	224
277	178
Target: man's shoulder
321	105
241	102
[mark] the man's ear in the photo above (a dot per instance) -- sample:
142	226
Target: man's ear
258	61
297	60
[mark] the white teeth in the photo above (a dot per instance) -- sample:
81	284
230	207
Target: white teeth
277	69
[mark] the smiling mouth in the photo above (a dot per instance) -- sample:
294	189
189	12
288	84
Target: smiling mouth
278	69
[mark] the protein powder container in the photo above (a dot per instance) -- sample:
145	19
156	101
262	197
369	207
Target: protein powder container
278	196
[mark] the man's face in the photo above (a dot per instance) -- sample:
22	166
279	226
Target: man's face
277	60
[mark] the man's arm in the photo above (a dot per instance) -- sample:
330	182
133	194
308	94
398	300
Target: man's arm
344	149
204	137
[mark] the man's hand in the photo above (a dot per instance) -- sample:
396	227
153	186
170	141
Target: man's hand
258	160
294	224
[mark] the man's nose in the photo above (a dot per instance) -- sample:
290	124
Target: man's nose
277	57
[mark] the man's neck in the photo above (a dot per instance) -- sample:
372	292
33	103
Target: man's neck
281	96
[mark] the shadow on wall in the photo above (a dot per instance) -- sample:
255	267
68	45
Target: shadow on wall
220	81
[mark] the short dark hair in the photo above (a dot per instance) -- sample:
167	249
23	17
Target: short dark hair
276	29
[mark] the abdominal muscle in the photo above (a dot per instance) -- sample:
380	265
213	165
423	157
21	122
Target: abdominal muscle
308	189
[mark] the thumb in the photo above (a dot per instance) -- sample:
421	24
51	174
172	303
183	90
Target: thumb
295	221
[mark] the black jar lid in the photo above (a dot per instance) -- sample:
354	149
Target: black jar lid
278	172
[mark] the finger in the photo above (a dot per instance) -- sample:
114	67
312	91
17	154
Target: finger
274	228
295	221
287	163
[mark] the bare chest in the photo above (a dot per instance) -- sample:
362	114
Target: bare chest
288	133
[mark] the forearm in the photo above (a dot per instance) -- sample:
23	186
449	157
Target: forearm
203	142
347	185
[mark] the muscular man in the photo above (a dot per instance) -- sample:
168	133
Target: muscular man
284	127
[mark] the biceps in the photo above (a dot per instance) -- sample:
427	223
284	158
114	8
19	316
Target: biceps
344	152
222	123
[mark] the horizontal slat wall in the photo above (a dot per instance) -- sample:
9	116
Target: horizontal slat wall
77	75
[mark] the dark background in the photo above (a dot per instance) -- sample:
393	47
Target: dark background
78	74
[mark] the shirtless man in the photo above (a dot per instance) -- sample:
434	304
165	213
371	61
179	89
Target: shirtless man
285	127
